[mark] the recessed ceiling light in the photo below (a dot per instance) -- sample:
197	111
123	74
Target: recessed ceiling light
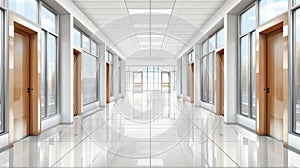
153	11
152	43
154	26
148	36
148	48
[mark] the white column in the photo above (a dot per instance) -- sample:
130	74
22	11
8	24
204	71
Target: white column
116	77
184	78
66	62
230	68
102	74
123	77
197	71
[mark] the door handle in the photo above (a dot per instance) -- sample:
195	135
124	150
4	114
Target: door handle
29	90
267	90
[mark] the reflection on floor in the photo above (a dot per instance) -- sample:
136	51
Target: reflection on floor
150	129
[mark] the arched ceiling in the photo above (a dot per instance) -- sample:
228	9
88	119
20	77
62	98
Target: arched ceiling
129	23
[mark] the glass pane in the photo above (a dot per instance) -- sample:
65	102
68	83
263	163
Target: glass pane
253	62
93	48
43	74
212	43
297	2
211	79
248	20
77	38
245	75
269	9
89	71
85	43
220	38
111	68
48	19
27	8
297	73
51	75
204	79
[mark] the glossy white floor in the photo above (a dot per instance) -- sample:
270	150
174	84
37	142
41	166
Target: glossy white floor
150	129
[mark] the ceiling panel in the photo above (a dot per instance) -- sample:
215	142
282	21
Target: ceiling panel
125	21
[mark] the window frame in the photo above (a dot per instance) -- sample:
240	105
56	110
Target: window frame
97	78
205	46
240	36
57	67
47	34
294	9
3	116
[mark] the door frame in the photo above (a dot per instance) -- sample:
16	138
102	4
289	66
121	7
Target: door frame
34	68
261	74
78	94
219	84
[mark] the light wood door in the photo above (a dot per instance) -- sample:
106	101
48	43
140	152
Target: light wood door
21	84
275	104
220	83
77	104
107	83
192	83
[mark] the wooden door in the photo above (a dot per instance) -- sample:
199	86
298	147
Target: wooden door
192	83
220	82
107	83
21	94
275	104
77	104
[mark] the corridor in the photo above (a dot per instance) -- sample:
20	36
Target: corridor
149	129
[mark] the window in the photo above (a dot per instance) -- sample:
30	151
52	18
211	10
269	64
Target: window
89	66
49	74
247	63
89	70
151	76
248	20
296	114
220	38
269	9
77	38
245	75
26	8
1	68
86	43
93	48
297	2
208	67
48	20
